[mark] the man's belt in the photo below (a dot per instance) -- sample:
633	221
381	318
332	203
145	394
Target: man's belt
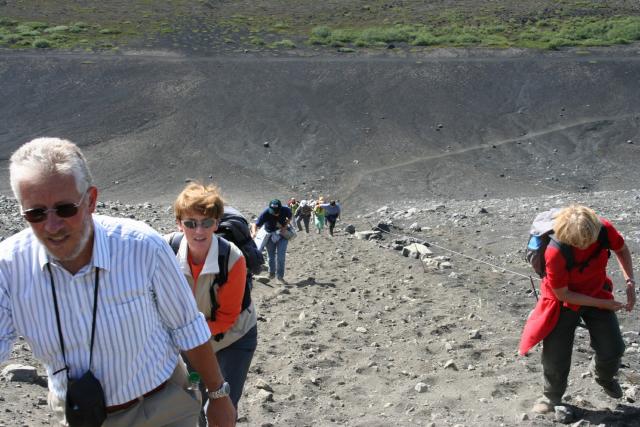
130	403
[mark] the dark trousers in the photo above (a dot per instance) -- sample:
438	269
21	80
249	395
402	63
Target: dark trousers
304	219
234	362
606	341
331	220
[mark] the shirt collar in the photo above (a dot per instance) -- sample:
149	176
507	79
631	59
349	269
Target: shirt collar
101	256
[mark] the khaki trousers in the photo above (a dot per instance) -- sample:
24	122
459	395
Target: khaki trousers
170	407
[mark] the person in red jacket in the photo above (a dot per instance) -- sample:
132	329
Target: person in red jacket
581	293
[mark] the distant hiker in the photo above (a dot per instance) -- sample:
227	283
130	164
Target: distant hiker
216	271
275	218
293	205
303	215
332	213
101	302
319	215
581	292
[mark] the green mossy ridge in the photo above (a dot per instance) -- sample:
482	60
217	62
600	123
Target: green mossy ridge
374	25
36	34
542	34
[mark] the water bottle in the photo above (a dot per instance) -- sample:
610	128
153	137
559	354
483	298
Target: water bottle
535	243
194	385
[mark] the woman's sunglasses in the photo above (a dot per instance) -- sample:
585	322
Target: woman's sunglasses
65	210
205	223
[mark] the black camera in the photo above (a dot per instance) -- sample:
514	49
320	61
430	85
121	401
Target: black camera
85	405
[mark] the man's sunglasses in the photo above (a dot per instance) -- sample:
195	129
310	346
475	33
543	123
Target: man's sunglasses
65	210
205	223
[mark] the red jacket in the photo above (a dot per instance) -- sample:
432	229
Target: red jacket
592	281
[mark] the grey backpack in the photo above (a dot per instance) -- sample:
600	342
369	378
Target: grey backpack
541	236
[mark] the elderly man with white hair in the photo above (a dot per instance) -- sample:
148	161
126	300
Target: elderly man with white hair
101	302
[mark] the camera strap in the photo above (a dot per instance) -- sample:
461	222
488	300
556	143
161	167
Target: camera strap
93	322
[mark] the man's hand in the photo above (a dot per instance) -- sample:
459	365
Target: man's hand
203	359
221	413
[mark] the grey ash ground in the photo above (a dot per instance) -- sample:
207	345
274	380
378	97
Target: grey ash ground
364	336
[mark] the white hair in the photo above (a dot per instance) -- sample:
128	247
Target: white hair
46	156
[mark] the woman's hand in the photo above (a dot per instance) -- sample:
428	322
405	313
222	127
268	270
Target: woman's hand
631	297
611	304
565	295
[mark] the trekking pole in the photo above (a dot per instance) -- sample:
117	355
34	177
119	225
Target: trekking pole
533	287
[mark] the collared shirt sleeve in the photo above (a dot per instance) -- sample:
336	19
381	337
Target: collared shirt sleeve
7	331
176	306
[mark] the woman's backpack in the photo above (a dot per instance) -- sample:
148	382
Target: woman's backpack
541	236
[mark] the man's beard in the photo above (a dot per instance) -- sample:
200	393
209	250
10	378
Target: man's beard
84	239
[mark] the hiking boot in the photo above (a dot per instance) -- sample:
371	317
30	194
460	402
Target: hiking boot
611	388
272	276
544	406
282	281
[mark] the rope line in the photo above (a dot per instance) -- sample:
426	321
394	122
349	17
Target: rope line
455	252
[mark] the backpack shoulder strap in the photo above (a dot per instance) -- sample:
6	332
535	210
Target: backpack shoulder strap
174	241
565	250
224	251
603	237
603	240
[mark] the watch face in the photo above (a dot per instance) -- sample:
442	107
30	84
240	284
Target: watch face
224	390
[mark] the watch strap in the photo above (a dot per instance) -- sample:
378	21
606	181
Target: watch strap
222	391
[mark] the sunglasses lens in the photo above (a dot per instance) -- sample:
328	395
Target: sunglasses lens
66	211
205	223
35	215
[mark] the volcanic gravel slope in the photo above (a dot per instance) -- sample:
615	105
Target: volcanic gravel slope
359	326
435	138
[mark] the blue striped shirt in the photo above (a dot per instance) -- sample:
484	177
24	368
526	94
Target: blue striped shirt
146	311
